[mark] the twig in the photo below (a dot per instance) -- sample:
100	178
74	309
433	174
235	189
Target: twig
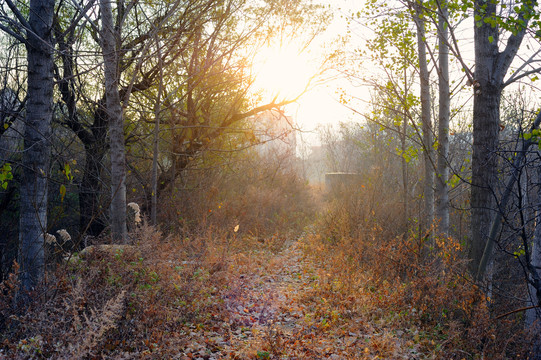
516	310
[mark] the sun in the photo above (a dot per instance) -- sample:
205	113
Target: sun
284	72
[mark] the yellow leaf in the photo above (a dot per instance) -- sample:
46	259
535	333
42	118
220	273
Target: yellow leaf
236	228
62	192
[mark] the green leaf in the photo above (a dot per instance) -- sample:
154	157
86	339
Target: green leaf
67	172
519	253
454	180
491	39
5	175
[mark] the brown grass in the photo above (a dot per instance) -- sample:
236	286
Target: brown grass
402	285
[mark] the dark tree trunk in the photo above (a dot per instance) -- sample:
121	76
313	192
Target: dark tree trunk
36	156
442	188
491	66
486	116
91	220
109	37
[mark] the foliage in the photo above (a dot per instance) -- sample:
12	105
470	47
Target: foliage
132	300
264	196
392	281
5	175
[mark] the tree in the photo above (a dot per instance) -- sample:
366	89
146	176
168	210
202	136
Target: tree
398	61
491	66
533	315
87	119
35	33
426	121
108	36
201	66
442	172
209	97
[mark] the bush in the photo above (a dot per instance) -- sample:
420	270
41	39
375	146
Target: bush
263	198
421	292
118	301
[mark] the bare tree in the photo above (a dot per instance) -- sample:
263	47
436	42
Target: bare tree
442	173
109	35
35	33
428	150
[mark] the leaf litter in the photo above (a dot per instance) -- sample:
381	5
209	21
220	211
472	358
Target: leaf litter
272	309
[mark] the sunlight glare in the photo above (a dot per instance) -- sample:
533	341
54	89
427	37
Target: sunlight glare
283	72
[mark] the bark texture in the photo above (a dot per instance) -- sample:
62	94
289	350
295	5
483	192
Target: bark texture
36	155
442	187
113	107
533	315
491	66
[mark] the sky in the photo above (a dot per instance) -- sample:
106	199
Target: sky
285	71
320	106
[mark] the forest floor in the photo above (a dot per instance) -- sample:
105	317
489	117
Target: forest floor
274	310
242	297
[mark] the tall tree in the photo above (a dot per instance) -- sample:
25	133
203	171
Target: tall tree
110	38
491	66
442	173
35	32
426	121
533	315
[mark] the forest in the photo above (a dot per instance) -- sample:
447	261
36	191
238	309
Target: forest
160	199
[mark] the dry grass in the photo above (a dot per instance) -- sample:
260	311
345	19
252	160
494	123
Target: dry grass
354	287
413	294
134	301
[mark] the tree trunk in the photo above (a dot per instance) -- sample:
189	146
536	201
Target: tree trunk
486	119
93	138
442	187
116	124
491	65
36	154
404	163
486	115
91	214
157	110
506	196
428	150
533	316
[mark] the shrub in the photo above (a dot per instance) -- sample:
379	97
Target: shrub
422	292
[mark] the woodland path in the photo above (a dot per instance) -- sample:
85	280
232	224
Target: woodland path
273	312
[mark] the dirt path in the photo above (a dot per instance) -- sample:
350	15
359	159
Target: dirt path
262	314
265	313
273	311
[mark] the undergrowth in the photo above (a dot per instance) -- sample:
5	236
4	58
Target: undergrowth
363	288
415	292
132	301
